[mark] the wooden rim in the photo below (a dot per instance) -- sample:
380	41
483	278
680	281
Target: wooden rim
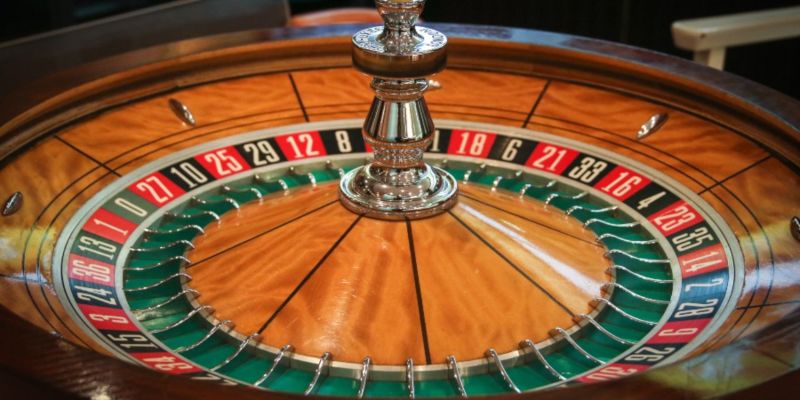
753	111
746	107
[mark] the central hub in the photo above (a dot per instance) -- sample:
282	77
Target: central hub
397	183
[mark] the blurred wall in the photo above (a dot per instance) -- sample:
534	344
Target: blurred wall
643	23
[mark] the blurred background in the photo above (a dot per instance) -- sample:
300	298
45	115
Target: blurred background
641	23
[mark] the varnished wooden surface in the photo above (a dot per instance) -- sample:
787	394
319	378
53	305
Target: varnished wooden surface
703	146
301	269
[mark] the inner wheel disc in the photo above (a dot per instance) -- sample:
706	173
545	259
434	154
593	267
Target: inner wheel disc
495	269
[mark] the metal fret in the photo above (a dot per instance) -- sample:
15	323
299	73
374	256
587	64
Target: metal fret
603	330
364	376
560	331
610	224
527	186
184	261
622	312
638	275
159	283
527	343
410	378
500	368
553	196
198	228
624	240
238	351
312	179
496	182
455	375
203	202
164	247
201	213
228	189
287	348
178	323
218	326
591	210
636	258
634	294
165	302
317	373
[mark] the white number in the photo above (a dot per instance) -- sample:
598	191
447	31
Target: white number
624	186
654	356
109	226
343	142
223	162
95	271
194	177
610	373
699	309
675	218
476	147
100	248
511	150
303	138
646	202
114	319
259	149
697	263
124	340
167	363
678	332
686	241
92	294
588	170
435	142
160	198
549	152
133	208
714	282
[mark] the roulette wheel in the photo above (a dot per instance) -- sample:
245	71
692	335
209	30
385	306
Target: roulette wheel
217	218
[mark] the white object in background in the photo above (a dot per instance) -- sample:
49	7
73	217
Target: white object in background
708	37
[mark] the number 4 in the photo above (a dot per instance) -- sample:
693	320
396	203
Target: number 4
650	200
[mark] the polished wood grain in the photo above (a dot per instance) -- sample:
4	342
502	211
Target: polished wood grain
551	248
144	126
359	303
739	153
28	237
494	98
497	270
682	144
258	242
476	299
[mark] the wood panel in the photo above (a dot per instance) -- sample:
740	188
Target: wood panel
477	295
145	131
493	98
680	171
361	302
769	192
258	242
498	270
551	248
165	146
53	178
711	152
756	201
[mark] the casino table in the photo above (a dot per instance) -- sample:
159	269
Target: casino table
626	225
